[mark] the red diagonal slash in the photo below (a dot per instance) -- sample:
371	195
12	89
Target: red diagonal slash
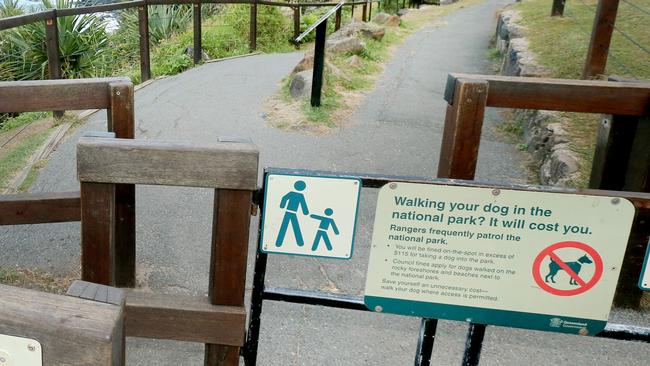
567	269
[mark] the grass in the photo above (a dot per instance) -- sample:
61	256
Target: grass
36	280
21	120
15	160
560	45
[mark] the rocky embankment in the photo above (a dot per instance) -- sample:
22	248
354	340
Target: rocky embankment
544	131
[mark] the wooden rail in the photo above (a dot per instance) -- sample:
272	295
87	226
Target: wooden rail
229	168
69	330
601	37
116	96
622	157
50	17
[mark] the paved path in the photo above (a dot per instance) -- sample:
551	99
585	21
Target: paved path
397	130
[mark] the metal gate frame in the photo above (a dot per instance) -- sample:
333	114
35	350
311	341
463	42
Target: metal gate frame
428	326
468	96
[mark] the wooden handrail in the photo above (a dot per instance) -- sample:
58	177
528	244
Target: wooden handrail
586	96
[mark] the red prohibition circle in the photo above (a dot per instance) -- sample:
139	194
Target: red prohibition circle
583	286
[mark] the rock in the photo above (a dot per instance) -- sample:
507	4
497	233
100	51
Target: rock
345	45
381	18
330	68
189	51
354	61
559	168
355	28
393	21
402	12
305	64
300	84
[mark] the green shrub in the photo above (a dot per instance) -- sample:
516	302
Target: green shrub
83	48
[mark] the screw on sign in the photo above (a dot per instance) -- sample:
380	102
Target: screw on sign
571	266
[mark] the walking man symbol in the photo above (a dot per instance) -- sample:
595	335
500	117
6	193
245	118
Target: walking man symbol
293	201
324	226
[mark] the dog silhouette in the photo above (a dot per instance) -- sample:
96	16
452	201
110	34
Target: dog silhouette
553	268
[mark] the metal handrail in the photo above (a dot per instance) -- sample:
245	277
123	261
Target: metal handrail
319	21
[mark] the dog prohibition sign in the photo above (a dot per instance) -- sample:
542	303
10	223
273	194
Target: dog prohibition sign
548	263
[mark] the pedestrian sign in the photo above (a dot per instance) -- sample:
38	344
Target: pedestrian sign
536	260
644	279
310	215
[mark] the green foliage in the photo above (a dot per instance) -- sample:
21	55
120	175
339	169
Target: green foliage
310	17
169	59
10	8
83	48
164	21
21	120
560	43
273	30
14	160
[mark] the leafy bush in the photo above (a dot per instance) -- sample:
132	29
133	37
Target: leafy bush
10	8
83	48
273	30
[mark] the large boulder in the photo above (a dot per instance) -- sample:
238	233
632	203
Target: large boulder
387	20
354	61
189	51
306	63
356	28
345	45
300	84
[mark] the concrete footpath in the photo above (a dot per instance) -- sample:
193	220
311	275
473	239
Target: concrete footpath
397	130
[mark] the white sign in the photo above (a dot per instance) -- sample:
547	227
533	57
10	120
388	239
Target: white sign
535	260
19	351
310	215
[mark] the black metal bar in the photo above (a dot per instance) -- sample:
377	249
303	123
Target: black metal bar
257	298
341	301
319	64
473	344
425	341
198	49
625	332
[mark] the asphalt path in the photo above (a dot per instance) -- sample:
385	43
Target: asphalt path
397	131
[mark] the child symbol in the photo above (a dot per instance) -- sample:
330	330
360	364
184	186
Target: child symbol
323	228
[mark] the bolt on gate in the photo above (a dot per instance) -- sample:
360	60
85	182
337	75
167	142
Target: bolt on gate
621	164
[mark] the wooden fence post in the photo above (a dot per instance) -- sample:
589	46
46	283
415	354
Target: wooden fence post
622	163
601	37
462	133
370	10
337	19
364	11
52	44
458	156
143	27
253	27
296	22
121	121
231	225
98	233
198	50
558	8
